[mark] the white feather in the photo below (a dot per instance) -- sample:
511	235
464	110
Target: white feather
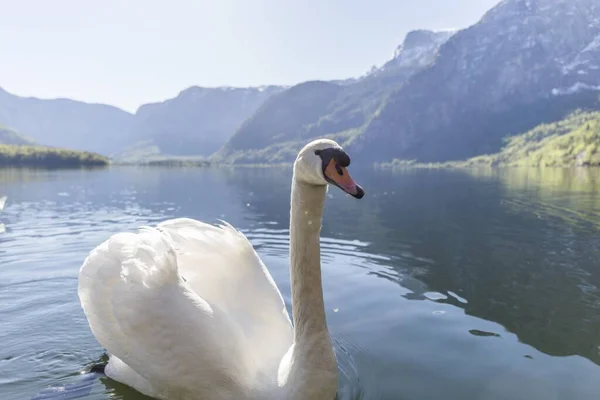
182	301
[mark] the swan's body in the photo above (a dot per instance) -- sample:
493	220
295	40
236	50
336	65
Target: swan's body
187	310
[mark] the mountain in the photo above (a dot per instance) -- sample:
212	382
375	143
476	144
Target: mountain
67	123
198	121
418	51
335	109
443	96
524	63
11	137
290	116
573	141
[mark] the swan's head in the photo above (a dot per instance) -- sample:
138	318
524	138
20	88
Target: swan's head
323	162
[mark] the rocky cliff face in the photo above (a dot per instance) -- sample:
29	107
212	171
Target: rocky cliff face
418	51
525	61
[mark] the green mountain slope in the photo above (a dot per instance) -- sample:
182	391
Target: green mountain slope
574	141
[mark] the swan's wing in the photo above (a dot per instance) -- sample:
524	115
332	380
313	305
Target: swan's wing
142	312
185	304
221	266
146	316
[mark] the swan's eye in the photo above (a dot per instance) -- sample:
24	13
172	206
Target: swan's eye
339	169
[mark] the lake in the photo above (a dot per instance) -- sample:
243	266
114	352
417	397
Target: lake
439	284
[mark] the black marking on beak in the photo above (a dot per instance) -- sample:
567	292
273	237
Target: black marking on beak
337	153
342	160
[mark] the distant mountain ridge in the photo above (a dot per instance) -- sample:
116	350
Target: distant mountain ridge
524	63
337	109
196	122
199	120
443	96
66	123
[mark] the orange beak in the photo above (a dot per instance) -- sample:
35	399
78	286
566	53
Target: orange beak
340	177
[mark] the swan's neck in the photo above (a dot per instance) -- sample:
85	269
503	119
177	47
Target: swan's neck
312	370
305	260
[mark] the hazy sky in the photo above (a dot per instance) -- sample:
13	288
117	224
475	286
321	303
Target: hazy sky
130	52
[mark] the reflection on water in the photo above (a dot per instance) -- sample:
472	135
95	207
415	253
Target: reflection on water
475	284
568	194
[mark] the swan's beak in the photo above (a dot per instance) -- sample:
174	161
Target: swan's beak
341	178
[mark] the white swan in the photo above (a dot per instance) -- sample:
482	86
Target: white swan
187	310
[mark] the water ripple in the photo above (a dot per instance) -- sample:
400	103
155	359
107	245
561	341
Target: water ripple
448	289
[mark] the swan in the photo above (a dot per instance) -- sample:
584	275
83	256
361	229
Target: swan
187	310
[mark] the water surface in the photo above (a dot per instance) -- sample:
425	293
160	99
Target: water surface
438	284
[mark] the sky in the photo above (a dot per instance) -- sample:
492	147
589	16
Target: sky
130	52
